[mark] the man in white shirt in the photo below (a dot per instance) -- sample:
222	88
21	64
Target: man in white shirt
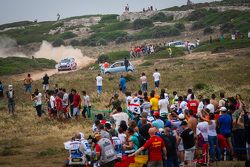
157	76
119	116
144	83
209	105
86	105
99	84
163	106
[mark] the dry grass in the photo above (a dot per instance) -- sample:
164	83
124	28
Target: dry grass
28	141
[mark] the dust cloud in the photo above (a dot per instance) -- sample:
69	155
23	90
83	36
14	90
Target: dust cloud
8	48
58	53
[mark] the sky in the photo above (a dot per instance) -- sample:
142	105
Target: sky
43	10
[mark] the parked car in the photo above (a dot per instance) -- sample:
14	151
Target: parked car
181	44
67	64
117	67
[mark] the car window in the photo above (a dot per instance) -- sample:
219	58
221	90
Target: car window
116	65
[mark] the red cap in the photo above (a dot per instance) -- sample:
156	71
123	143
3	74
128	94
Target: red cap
156	114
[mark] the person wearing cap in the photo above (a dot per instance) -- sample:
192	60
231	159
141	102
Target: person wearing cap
158	123
170	143
156	147
224	124
76	149
188	139
179	130
10	94
105	152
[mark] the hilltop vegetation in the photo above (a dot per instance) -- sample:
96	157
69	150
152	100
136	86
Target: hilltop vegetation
18	65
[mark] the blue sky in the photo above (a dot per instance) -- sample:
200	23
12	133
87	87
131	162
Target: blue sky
18	10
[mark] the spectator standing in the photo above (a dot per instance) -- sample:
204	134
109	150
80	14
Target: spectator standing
86	105
105	152
71	98
193	104
37	98
119	116
169	52
10	94
1	89
225	127
28	83
144	82
156	147
126	63
45	82
214	102
197	42
158	123
248	35
122	84
212	138
163	106
76	104
156	77
188	139
99	80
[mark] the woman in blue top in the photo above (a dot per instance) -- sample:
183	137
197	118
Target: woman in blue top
1	89
132	141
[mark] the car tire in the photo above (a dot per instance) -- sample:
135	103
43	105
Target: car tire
191	47
107	73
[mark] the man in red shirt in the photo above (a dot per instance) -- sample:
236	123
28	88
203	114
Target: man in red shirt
76	104
193	104
59	107
155	145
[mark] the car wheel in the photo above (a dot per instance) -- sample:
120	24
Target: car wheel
107	73
191	47
130	71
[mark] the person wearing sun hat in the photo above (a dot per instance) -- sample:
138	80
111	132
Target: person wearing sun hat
158	123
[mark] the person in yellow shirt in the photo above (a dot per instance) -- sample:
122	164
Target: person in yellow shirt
154	103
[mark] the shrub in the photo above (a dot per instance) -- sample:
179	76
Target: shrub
142	23
101	42
227	27
161	17
103	58
58	42
129	77
197	25
159	32
68	35
75	42
200	86
119	55
208	30
197	14
179	26
120	40
109	18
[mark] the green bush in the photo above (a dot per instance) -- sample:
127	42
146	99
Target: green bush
179	26
163	54
161	17
120	40
200	86
208	30
58	42
227	27
68	35
103	58
121	25
119	55
109	18
142	23
17	65
108	36
197	14
197	25
16	24
101	42
75	42
159	32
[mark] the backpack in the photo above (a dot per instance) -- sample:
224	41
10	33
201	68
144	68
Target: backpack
141	140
